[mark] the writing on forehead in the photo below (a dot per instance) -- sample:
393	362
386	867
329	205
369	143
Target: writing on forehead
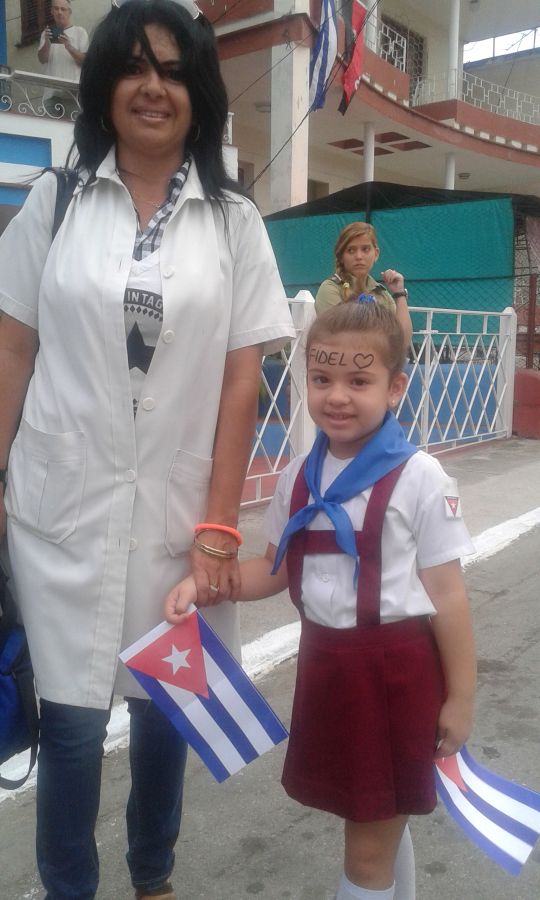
324	357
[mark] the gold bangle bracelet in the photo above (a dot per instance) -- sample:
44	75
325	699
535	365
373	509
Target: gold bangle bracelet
213	551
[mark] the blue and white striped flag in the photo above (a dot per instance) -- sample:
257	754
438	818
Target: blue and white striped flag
502	818
197	683
323	55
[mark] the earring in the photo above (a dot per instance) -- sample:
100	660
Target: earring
103	126
197	134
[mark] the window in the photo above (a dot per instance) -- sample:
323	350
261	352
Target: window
416	47
34	16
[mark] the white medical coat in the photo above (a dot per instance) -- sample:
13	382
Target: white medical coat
101	507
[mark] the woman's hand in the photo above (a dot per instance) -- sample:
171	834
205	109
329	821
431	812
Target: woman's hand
393	280
216	579
454	726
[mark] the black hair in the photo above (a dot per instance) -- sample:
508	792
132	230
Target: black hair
106	61
371	318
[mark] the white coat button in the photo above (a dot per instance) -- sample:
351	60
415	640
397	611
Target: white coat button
130	475
168	272
148	403
133	543
325	577
168	336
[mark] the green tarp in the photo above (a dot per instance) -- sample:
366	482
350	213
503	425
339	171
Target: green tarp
457	255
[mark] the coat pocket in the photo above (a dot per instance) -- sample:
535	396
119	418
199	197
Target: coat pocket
46	481
187	495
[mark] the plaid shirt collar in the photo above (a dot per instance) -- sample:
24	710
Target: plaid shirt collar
150	239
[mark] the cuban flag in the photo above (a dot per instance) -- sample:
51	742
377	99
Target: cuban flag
197	683
323	55
500	817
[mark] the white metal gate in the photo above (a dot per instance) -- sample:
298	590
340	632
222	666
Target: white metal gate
461	385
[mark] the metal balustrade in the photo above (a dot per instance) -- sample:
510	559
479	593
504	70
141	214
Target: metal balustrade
389	45
22	92
476	91
461	384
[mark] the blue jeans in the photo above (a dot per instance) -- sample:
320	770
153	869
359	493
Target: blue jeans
68	789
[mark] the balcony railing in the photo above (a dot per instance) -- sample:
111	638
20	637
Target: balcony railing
22	93
493	98
389	45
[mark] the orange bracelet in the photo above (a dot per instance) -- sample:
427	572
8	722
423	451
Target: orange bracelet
227	529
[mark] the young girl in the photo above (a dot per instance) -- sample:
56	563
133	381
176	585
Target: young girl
356	253
366	532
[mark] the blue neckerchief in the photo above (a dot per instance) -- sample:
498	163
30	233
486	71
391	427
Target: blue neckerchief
386	450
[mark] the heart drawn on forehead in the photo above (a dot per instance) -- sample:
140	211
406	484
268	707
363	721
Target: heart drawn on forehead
363	360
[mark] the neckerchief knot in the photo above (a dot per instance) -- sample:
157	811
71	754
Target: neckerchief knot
386	450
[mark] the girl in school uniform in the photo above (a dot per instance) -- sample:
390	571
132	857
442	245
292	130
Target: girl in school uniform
366	532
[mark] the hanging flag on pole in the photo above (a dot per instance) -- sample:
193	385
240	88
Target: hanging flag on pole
199	685
323	55
502	818
354	52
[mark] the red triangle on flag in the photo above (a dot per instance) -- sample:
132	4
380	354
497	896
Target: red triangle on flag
453	503
175	657
449	767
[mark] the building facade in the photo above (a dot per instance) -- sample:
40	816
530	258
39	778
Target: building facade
419	116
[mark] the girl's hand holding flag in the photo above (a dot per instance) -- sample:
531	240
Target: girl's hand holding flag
180	599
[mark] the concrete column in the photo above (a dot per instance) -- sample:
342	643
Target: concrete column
450	172
453	51
369	151
290	103
3	38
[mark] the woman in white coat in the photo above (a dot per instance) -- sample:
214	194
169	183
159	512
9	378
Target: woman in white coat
158	296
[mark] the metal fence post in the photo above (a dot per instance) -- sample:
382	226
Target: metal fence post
303	431
505	377
424	419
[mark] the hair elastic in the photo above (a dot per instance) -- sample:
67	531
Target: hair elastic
226	529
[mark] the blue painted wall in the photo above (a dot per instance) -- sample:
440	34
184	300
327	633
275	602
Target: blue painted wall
25	150
12	196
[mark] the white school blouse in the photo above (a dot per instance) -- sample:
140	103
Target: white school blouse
422	528
100	506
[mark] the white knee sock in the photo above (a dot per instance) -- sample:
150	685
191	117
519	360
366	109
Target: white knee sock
404	869
349	891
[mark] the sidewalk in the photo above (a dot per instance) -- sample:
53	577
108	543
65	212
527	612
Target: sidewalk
245	839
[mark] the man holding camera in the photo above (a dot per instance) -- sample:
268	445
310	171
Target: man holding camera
62	49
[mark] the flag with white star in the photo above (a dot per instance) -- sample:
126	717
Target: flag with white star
199	685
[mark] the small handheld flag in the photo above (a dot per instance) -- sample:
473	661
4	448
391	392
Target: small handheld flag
198	684
502	818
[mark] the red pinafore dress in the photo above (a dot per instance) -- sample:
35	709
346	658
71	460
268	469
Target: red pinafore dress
367	699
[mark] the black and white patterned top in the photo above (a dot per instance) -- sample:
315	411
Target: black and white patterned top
143	302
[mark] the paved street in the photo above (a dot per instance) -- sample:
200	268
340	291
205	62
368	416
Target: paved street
245	839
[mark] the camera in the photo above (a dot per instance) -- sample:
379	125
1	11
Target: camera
56	31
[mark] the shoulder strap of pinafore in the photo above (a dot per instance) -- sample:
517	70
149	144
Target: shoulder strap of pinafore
368	543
